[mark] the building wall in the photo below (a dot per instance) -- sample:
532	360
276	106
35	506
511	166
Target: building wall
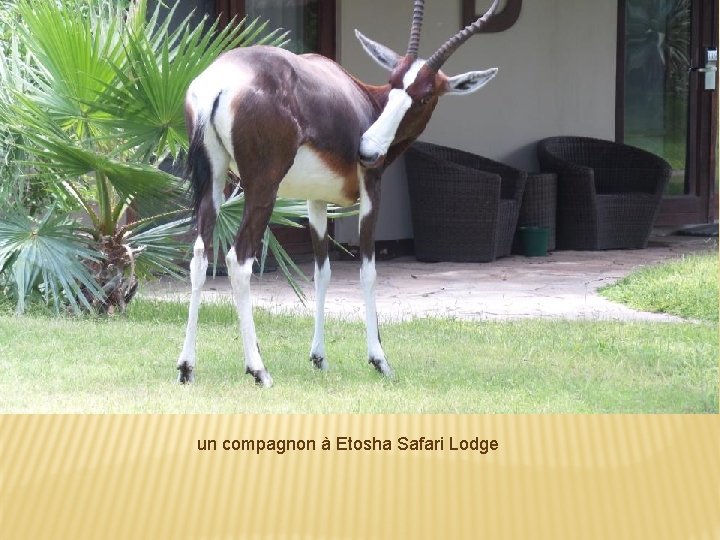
557	77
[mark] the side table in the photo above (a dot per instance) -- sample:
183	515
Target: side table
539	206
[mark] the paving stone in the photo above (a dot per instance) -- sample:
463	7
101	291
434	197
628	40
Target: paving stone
562	285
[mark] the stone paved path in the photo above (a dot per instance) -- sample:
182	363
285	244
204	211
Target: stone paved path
562	285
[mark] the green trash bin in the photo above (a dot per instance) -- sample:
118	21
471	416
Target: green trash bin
534	241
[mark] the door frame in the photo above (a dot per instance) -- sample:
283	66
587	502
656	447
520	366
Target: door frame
327	17
701	205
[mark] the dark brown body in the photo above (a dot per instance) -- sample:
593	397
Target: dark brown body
301	127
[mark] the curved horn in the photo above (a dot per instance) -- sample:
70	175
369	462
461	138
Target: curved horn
440	56
414	42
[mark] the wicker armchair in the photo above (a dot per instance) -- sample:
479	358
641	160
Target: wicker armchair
464	207
608	193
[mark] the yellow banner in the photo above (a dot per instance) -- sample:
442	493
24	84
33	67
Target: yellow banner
347	476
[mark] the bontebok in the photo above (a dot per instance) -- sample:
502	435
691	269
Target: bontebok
302	127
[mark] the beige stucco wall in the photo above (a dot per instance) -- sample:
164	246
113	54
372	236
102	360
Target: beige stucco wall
557	76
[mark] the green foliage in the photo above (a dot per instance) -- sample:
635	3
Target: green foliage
15	77
147	101
687	287
46	255
155	247
91	101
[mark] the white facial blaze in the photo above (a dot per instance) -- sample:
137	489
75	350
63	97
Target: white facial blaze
412	73
378	138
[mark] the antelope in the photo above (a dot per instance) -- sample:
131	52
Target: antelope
302	127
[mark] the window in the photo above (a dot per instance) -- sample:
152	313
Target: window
311	23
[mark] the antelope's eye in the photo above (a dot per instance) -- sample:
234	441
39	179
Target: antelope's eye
424	100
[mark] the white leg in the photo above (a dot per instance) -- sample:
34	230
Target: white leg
240	274
368	276
219	161
322	280
198	271
317	213
376	355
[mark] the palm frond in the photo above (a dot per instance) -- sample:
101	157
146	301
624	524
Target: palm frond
75	50
54	151
287	212
156	248
147	103
91	102
286	264
48	252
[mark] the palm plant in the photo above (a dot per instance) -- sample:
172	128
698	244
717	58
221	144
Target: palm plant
91	100
14	78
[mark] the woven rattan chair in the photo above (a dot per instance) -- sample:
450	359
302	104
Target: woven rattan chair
608	193
464	207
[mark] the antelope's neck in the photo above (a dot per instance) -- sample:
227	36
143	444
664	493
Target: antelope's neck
377	95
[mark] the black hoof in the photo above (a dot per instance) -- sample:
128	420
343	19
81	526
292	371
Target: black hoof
319	362
261	376
186	374
382	366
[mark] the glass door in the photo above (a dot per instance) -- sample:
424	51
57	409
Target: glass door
665	104
311	23
299	18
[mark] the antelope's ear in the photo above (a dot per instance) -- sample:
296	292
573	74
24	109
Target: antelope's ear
384	56
467	83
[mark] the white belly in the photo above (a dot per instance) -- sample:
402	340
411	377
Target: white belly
311	179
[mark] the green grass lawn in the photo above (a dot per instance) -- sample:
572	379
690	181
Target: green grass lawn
127	364
687	287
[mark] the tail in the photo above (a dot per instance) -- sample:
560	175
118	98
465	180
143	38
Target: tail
198	168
